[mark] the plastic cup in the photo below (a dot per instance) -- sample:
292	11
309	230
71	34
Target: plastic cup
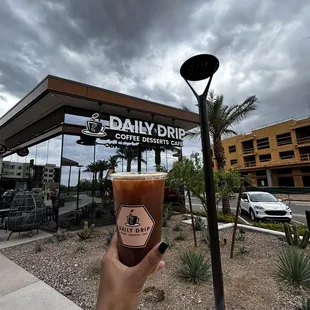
138	202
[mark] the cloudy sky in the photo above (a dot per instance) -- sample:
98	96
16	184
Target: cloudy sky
137	47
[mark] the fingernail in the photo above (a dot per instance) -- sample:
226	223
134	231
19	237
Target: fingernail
162	248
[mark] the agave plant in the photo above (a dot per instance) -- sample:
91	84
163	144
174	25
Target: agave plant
199	223
305	304
193	267
293	268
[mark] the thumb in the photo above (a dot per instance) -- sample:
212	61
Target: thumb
151	260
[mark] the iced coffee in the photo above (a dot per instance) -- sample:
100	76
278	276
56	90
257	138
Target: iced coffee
138	202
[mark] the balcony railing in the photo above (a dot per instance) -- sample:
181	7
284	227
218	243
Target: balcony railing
305	157
250	163
287	157
303	140
248	151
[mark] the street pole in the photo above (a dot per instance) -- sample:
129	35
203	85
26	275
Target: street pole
197	68
211	205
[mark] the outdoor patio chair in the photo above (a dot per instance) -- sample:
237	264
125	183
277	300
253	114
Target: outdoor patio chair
27	213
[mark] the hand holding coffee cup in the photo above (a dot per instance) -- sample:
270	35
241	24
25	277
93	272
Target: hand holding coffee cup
138	202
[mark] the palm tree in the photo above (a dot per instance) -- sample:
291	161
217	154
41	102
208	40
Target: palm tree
92	167
113	163
221	119
158	151
128	153
102	165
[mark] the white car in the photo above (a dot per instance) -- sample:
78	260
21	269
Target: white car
262	205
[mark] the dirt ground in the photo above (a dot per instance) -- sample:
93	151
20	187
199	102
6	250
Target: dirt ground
72	267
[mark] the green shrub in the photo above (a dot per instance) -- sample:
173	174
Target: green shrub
279	226
293	268
199	223
38	248
242	230
242	250
240	237
168	211
177	227
180	237
110	236
193	267
61	235
305	304
224	218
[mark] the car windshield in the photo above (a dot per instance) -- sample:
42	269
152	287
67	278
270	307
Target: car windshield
262	197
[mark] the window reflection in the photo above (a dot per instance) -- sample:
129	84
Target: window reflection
45	158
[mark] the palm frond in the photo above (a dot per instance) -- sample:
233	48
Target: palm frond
242	110
228	132
193	134
185	107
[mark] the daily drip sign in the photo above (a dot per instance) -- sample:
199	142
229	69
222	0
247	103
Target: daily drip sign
134	131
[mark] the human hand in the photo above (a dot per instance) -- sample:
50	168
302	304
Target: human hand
121	286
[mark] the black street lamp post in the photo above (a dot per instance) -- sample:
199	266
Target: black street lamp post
198	68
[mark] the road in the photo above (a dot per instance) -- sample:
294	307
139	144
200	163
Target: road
298	209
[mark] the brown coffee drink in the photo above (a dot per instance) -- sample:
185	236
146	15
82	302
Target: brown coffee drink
138	202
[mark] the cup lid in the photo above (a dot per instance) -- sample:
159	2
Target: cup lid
139	175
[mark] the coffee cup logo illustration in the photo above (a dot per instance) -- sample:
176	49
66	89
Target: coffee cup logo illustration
94	127
132	220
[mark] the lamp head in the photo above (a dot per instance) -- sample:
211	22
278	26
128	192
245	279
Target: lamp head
199	67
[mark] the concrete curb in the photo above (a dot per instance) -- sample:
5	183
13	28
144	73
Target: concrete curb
251	228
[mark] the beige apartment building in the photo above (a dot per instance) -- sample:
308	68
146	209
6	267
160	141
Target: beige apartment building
275	155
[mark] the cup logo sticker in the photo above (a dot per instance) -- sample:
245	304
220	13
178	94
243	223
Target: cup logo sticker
135	225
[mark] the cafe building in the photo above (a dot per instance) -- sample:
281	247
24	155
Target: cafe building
66	126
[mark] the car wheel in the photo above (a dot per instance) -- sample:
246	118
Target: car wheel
252	215
242	212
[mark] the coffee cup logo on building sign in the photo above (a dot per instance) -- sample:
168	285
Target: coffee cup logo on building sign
23	152
3	149
94	127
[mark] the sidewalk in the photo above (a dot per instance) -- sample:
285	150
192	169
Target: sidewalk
21	290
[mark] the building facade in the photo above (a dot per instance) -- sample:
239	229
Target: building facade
19	174
274	155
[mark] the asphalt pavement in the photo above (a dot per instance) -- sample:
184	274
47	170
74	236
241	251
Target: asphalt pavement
298	209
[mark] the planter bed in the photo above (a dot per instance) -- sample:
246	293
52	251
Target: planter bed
72	268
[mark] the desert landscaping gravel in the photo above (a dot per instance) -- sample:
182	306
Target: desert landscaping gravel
72	268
